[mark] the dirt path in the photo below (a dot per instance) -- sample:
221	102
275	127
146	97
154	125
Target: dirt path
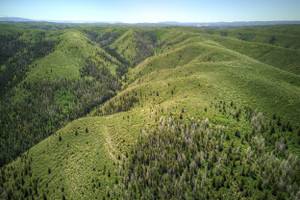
110	147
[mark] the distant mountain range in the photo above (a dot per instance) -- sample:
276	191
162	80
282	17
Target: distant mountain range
168	23
15	19
237	23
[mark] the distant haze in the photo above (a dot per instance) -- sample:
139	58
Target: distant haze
195	24
136	11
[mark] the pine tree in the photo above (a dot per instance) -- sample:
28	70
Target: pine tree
279	122
237	133
272	131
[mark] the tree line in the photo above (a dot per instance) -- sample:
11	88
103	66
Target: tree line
47	105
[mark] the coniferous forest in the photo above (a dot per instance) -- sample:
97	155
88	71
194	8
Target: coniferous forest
91	111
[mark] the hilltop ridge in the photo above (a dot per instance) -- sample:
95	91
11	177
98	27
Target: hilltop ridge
151	112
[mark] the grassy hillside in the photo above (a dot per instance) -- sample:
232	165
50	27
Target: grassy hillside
49	90
69	57
19	49
281	57
283	36
134	46
128	46
202	115
230	73
266	38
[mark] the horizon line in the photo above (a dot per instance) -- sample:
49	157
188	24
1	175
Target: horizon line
144	22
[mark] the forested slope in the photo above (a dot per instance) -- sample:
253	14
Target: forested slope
44	91
188	113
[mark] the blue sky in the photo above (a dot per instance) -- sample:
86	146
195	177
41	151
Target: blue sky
153	10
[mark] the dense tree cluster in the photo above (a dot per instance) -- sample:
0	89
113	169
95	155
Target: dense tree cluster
144	47
104	41
47	105
144	41
119	104
10	45
17	54
182	159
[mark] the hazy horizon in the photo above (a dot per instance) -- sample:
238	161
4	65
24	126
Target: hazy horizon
134	11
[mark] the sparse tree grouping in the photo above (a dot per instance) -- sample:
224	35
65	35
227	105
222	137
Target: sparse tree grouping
201	160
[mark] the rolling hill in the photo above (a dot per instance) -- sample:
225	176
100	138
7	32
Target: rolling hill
189	113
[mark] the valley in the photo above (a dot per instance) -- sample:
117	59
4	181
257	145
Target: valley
120	112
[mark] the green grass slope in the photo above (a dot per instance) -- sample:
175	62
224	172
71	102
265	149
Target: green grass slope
281	57
19	49
79	161
49	89
274	45
133	47
280	35
130	46
70	55
191	76
263	86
